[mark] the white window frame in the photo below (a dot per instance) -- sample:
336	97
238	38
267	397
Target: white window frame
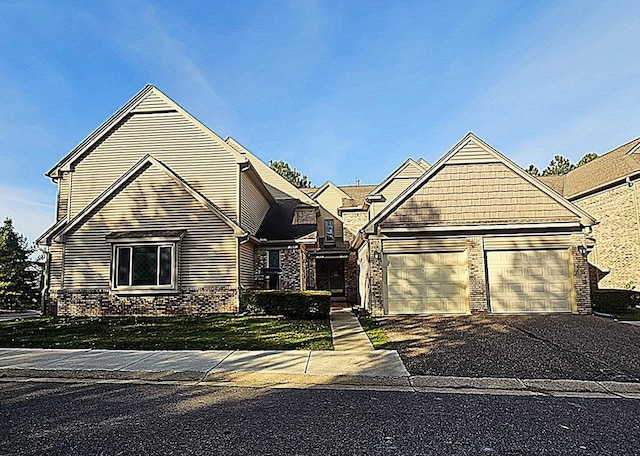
144	289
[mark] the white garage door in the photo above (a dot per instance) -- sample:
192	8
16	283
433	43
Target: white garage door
425	283
529	281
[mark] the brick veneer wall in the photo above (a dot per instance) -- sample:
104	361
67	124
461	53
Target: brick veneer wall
478	300
376	277
352	222
189	301
305	216
582	282
351	278
260	261
311	272
290	264
617	235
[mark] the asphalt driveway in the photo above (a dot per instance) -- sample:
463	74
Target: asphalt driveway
523	346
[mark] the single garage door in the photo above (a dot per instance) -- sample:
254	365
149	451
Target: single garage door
425	283
529	281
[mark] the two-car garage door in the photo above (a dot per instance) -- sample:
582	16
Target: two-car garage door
535	280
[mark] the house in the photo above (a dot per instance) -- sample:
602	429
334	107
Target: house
158	215
607	187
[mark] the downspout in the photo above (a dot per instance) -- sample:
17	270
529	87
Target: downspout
45	287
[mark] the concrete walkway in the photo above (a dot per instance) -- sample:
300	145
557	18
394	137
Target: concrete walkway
381	366
346	331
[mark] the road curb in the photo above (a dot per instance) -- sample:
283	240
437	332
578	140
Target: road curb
417	383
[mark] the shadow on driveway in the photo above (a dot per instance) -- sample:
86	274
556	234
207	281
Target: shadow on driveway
522	346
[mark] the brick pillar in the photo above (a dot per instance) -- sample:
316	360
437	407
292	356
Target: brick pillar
311	272
581	276
376	278
351	278
478	301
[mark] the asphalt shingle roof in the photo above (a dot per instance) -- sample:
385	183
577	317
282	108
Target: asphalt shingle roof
613	166
278	223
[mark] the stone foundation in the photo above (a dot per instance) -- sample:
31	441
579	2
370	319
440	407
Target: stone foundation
189	301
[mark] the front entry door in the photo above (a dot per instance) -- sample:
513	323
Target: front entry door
330	276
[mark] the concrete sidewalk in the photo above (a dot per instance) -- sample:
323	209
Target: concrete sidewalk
346	331
370	370
371	367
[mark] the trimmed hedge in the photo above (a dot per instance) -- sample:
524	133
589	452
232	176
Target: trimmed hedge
614	301
308	304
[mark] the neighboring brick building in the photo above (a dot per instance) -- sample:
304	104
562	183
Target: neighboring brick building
607	188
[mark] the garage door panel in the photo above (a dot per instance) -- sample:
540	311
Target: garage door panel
427	283
540	284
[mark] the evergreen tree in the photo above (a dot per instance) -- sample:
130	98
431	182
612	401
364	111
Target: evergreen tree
558	166
19	284
533	170
294	176
587	158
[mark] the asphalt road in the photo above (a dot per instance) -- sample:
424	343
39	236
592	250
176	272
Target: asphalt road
123	419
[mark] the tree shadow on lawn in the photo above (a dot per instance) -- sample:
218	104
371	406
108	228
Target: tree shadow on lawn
522	346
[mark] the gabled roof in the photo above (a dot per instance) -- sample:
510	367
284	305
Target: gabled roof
284	189
487	154
357	194
61	228
609	169
409	164
324	187
165	104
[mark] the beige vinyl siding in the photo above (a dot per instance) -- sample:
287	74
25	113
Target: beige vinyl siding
411	171
204	162
64	187
395	187
417	245
480	193
472	153
527	242
207	253
331	199
247	278
253	206
153	102
56	253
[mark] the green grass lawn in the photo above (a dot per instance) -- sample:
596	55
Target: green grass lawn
376	334
211	332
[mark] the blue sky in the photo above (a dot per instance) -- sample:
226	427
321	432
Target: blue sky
341	90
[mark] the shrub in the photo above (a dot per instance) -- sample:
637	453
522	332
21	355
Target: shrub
308	304
614	301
